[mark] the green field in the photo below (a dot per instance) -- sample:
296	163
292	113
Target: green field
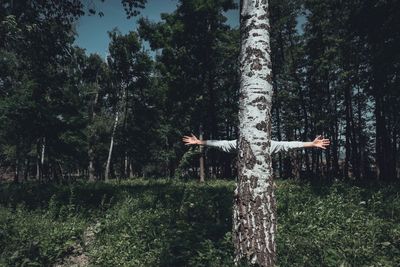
170	223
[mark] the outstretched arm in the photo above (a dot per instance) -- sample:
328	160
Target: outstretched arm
284	146
224	145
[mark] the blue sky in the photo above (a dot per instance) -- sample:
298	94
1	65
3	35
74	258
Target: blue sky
92	30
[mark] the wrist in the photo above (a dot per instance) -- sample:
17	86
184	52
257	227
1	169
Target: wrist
309	144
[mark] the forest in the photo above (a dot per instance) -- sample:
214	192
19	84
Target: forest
60	108
95	143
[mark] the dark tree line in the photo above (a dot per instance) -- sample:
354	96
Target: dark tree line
339	78
64	113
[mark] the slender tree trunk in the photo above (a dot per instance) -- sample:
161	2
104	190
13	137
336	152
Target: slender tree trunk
334	129
38	167
131	174
91	169
26	169
126	165
107	172
347	102
41	147
381	139
16	171
355	147
254	206
361	141
202	174
61	172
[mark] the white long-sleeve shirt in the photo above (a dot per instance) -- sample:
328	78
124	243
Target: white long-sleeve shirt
276	146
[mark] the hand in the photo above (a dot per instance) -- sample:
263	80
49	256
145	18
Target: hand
320	142
192	140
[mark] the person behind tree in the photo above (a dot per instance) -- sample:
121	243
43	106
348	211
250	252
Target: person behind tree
276	146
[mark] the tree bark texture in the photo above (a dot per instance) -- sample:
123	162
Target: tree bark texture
107	172
254	205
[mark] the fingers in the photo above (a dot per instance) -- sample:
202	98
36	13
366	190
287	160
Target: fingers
320	138
186	138
324	144
321	142
189	140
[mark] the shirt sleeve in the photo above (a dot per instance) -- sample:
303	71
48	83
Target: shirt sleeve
224	145
278	146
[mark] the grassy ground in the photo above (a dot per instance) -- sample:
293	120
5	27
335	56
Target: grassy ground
169	223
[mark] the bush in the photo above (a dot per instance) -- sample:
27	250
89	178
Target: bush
171	223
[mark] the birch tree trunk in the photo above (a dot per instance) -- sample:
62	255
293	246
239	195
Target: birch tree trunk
255	206
41	147
111	147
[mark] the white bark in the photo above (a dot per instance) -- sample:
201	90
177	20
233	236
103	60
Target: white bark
40	159
113	134
111	146
126	166
37	169
43	150
255	206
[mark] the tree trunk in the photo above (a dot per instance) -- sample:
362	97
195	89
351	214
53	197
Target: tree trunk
254	206
111	147
91	155
347	103
131	174
26	169
38	167
201	157
126	166
16	171
41	147
334	128
361	139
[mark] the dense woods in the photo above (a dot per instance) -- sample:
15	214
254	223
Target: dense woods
65	114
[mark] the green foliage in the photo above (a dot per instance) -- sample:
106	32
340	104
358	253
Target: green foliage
34	238
186	162
170	223
197	66
340	225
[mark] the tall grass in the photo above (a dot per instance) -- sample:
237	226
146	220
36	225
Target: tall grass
171	223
